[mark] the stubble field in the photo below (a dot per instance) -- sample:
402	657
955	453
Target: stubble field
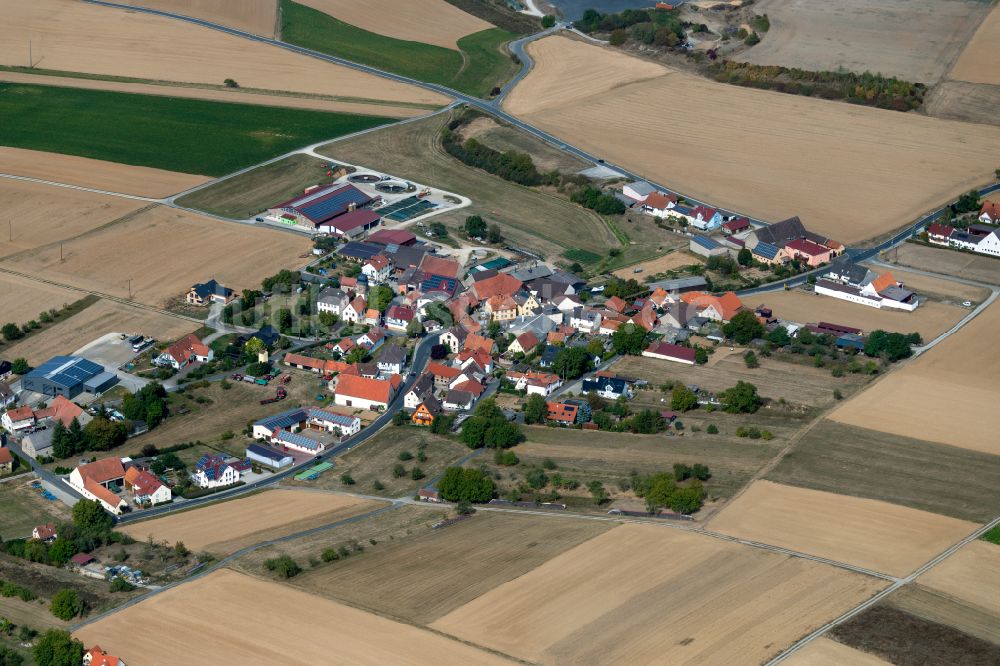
947	395
429	21
226	527
164	251
950	262
23	300
22	508
867	533
971	577
103	317
842	158
825	651
930	319
894	37
226	610
78	37
978	62
96	174
256	16
967	102
430	574
639	594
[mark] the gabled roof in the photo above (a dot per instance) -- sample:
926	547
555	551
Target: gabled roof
5	456
101	493
359	304
766	250
705	212
672	351
883	282
470	386
659	201
334	296
475	341
399	312
24	413
378	262
392	353
806	246
441	370
102	471
458	397
327	202
187	347
705	242
991	208
527	340
562	412
354	219
392	237
440	266
779	232
364	388
615	303
142	482
210	288
738	224
501	284
726	305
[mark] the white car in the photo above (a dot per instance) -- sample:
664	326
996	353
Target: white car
967	304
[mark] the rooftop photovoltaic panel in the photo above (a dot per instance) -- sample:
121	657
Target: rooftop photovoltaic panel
67	370
334	204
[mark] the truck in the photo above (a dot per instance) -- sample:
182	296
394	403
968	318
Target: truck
286	379
249	379
262	381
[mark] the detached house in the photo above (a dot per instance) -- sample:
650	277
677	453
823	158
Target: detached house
501	308
611	388
586	320
659	205
542	383
392	360
6	461
213	472
377	269
454	339
186	350
145	488
426	412
96	480
990	212
398	318
332	301
524	343
717	308
420	391
355	310
704	218
562	412
209	292
373	339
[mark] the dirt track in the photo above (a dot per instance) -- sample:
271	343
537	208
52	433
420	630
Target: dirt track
768	154
257	16
68	35
644	594
230	618
947	395
866	533
430	21
236	96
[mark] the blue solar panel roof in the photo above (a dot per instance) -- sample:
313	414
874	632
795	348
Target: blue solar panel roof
706	242
766	250
298	440
284	419
67	370
333	204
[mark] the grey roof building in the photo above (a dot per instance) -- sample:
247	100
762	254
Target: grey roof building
61	375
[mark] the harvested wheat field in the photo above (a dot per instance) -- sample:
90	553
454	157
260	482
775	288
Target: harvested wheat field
645	594
915	42
429	21
937	288
164	251
930	319
225	609
226	527
73	36
968	102
947	395
96	174
99	319
660	264
972	576
212	94
968	265
867	533
22	299
824	651
979	62
255	16
842	158
37	214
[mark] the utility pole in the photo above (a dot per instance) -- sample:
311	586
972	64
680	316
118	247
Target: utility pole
31	60
60	252
130	289
10	233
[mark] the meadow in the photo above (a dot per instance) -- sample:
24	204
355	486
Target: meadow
475	69
186	135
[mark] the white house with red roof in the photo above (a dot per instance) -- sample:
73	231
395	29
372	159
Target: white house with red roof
398	317
95	656
373	339
366	393
98	481
377	269
542	383
145	487
16	420
185	351
355	311
659	205
990	212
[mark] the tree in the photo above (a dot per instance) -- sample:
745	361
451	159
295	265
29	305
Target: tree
62	445
682	398
493	234
740	399
66	604
617	38
571	362
414	328
629	339
700	356
646	422
469	485
103	434
20	366
12	332
284	319
284	566
549	20
685	500
751	360
535	409
779	337
58	648
745	257
254	346
475	226
743	327
60	551
380	297
91	521
598	492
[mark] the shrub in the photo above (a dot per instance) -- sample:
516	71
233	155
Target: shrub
405	455
284	566
712	429
121	585
66	604
471	485
330	555
398	471
347	479
416	473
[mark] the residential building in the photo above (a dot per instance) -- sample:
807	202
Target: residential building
95	656
454	339
990	212
99	481
145	488
373	339
372	317
610	388
391	360
365	393
669	352
421	389
16	420
377	269
398	318
6	461
214	472
585	320
443	374
810	252
562	412
717	308
46	532
501	308
659	205
332	301
7	395
188	349
205	293
425	413
355	310
541	383
860	285
501	284
481	343
524	343
456	400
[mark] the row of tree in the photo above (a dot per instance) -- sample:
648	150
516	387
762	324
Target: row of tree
510	165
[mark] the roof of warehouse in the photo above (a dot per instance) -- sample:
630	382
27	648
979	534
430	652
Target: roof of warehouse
67	370
328	202
362	217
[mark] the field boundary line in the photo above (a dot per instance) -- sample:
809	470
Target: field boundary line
81	188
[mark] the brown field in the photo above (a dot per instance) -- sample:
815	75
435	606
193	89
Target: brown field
867	533
193	91
968	102
616	599
971	575
949	610
430	21
103	317
916	43
844	459
841	157
947	395
929	320
978	62
29	614
164	251
939	289
22	508
660	264
950	262
257	16
85	172
774	379
30	210
24	299
824	652
434	572
228	526
220	609
77	37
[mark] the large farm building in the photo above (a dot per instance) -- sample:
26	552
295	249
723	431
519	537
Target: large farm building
341	210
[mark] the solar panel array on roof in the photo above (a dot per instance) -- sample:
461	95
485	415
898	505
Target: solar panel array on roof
284	419
766	250
334	204
439	283
295	439
706	242
67	370
359	250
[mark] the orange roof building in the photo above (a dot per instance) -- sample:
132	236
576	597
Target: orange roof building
720	308
366	393
500	284
440	266
481	343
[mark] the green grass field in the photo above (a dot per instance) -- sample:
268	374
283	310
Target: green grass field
186	135
479	67
993	536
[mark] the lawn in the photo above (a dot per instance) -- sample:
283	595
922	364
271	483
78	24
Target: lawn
252	192
186	135
22	508
479	67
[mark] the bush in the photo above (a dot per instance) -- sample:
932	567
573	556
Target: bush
398	471
66	604
712	429
405	455
416	474
505	458
471	485
57	648
121	585
284	566
330	555
347	479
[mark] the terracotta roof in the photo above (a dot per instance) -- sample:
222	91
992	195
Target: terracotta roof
991	208
535	378
188	346
46	531
60	409
141	482
527	340
672	351
101	493
378	262
372	313
806	246
375	390
659	201
440	266
470	386
82	559
705	212
359	304
615	303
562	412
102	470
502	284
399	312
659	295
940	230
345	345
882	282
727	305
478	355
99	657
442	370
610	325
5	456
20	414
484	344
499	302
392	236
